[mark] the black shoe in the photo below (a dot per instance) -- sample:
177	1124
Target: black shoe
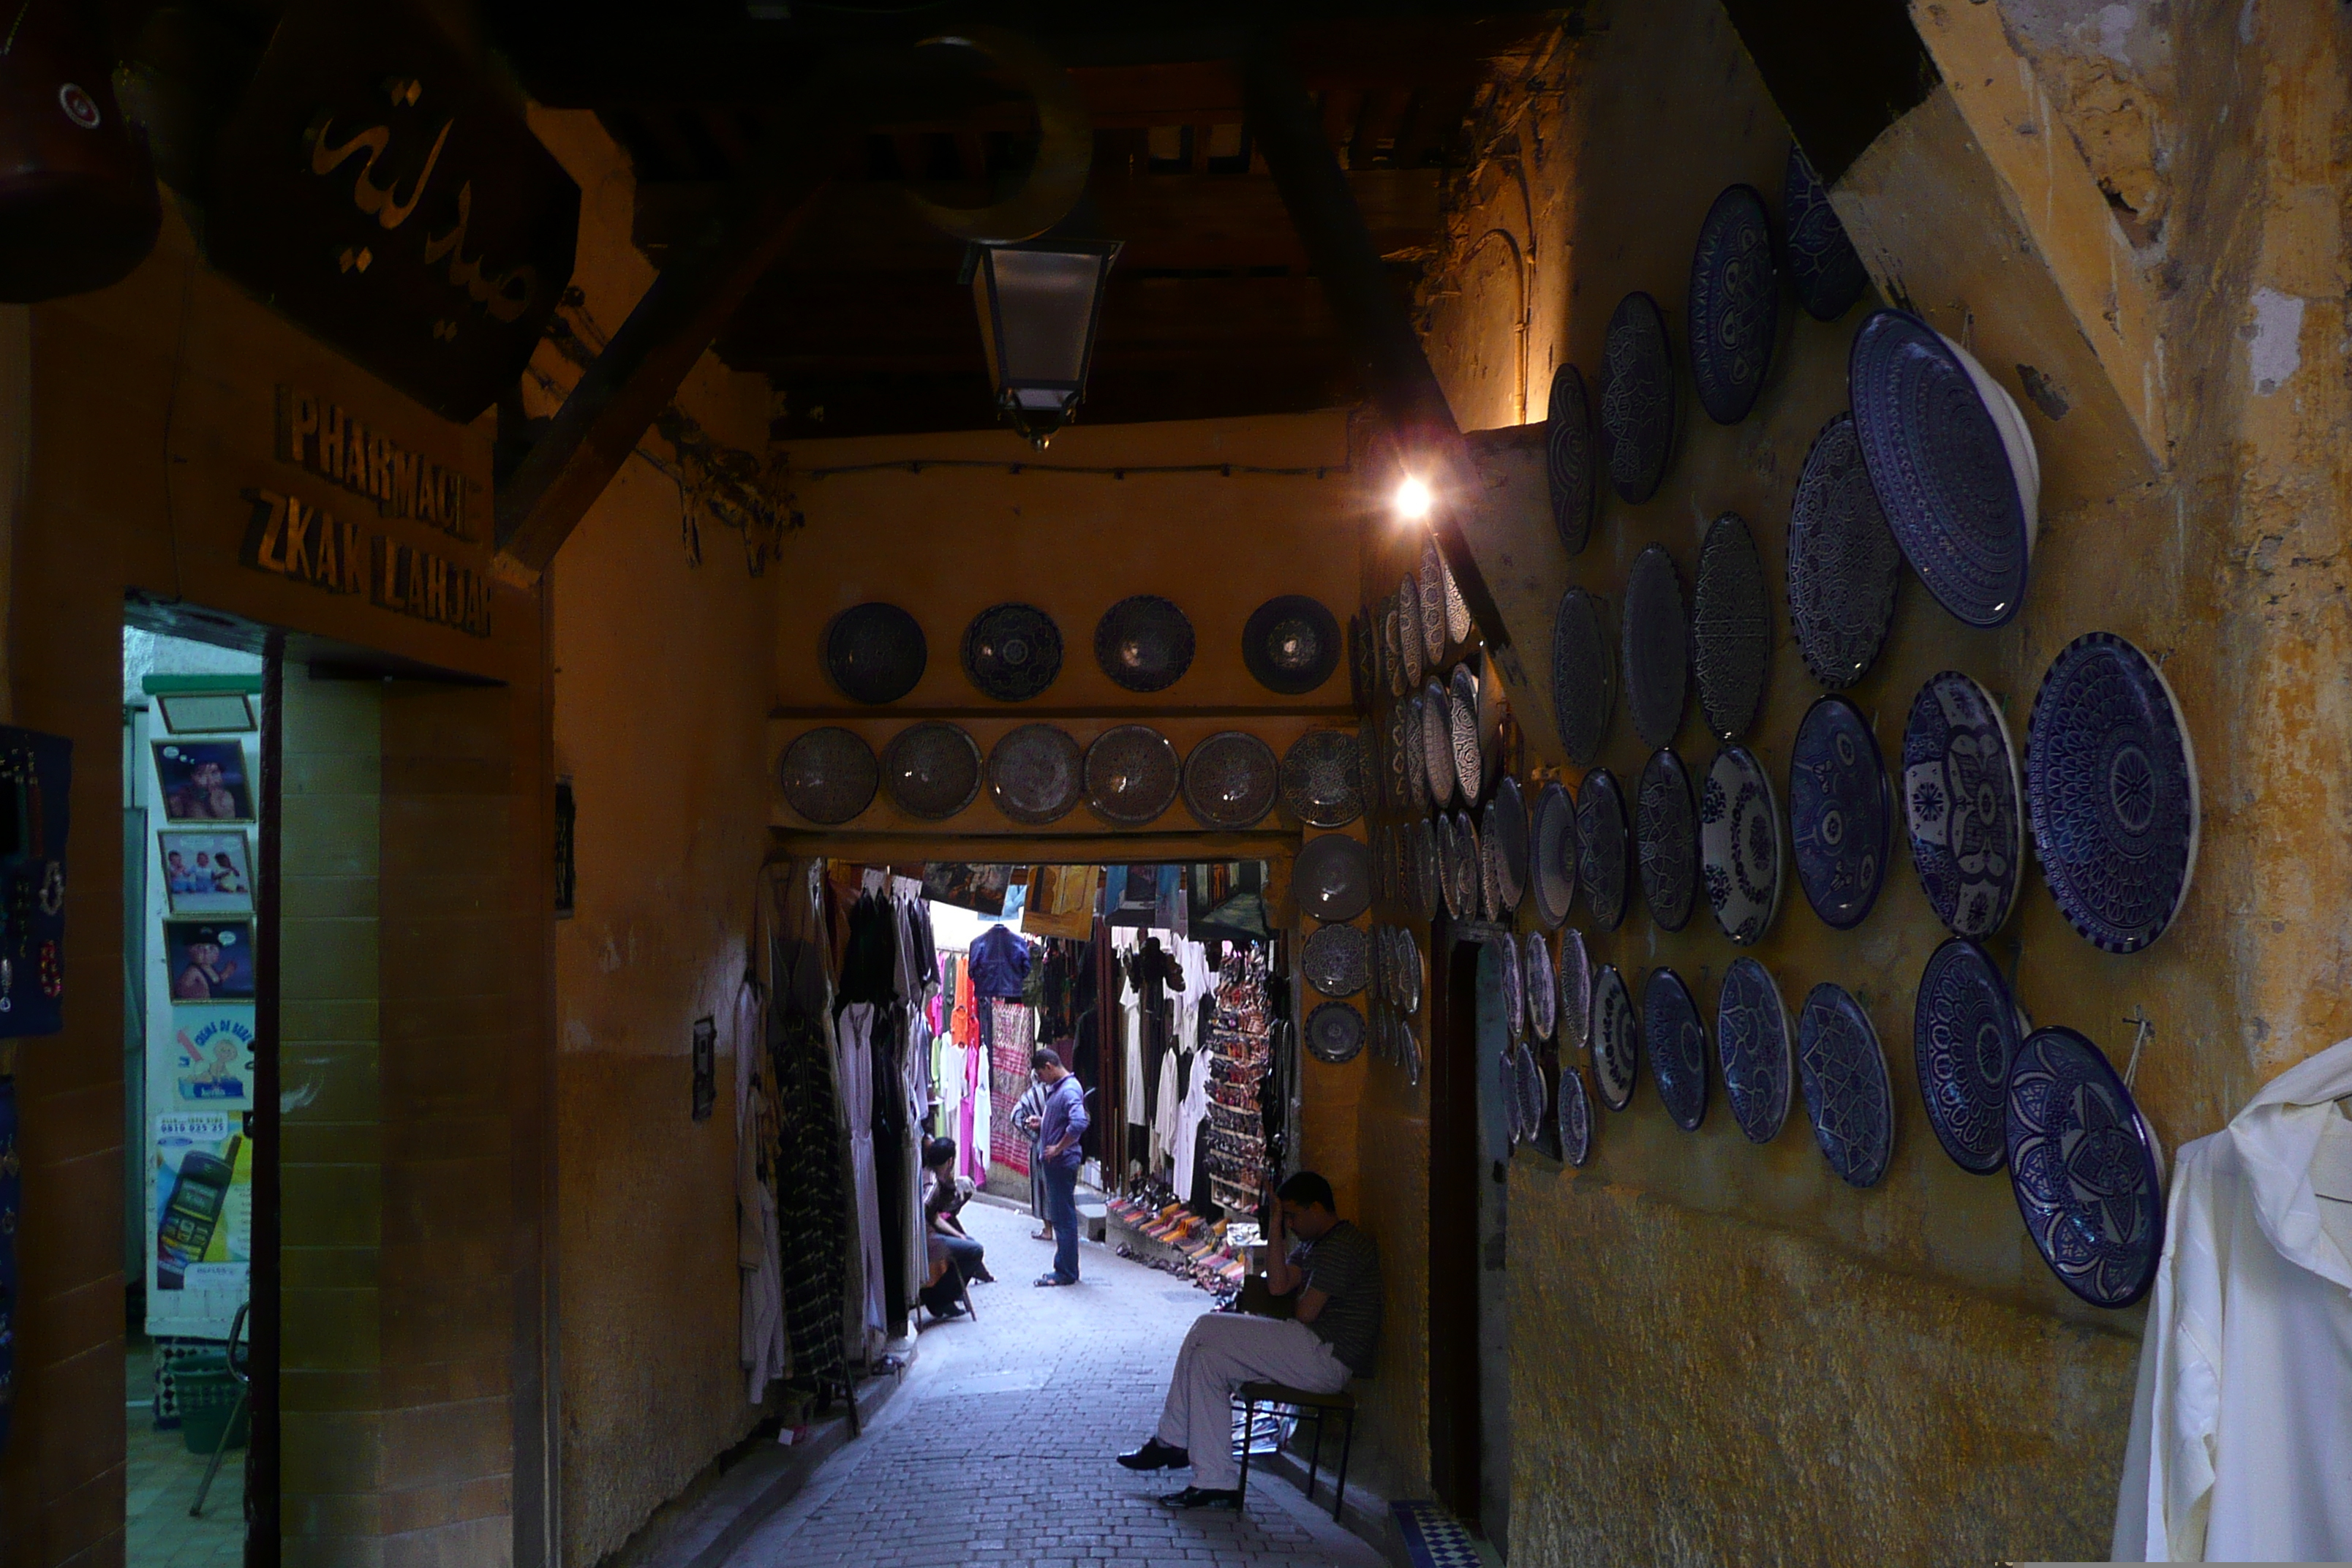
1156	1454
1052	1279
1203	1497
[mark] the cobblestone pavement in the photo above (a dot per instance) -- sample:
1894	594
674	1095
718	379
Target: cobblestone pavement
1000	1448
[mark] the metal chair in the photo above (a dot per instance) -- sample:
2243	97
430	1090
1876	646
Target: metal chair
242	1372
1300	1403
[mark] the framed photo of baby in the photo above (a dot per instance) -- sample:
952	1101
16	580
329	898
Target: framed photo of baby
210	961
204	781
207	873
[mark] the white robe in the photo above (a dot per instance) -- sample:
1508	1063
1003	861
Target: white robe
2240	1443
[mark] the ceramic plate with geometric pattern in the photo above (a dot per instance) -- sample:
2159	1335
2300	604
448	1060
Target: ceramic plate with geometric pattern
1847	1093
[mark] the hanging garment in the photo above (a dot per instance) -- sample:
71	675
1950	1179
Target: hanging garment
2240	1445
856	1025
971	1120
1000	964
811	1201
1189	1113
1198	982
757	1256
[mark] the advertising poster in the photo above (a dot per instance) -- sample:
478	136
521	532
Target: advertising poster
211	1062
204	1197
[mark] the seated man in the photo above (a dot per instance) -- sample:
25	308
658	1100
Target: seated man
1332	1278
955	1257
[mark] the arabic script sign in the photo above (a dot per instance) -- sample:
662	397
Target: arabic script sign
376	188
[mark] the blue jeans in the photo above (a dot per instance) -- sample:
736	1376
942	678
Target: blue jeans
1062	1210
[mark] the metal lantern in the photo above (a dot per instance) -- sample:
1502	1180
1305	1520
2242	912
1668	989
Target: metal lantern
1039	303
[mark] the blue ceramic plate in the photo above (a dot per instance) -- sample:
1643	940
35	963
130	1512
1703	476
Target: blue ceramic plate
1551	852
1144	643
1322	778
1434	631
1536	972
1677	1042
1943	459
1842	560
1437	743
1410	620
2084	1169
1734	304
1828	275
1962	805
1753	1041
1665	829
1637	398
1515	993
1506	836
1965	1031
875	652
1846	1089
1575	1118
1574	991
1011	651
1603	851
1731	629
1657	635
1741	845
1841	814
1616	1039
1569	459
1291	644
2110	787
1583	676
1334	1033
1426	869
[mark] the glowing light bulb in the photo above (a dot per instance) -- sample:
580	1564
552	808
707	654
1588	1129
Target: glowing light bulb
1414	500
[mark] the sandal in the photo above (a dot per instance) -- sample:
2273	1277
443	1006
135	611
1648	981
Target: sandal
1041	1235
1052	1279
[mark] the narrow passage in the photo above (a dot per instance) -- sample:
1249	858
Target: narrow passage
1000	1448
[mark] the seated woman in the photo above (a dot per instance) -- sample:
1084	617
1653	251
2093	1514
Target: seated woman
955	1257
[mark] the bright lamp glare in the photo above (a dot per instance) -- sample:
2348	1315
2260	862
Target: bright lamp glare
1412	499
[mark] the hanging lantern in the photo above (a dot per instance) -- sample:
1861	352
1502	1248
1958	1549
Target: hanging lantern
77	203
1039	303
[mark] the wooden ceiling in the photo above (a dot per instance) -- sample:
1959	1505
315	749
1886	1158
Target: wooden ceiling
861	326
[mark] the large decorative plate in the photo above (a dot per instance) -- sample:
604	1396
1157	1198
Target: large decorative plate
1842	560
2085	1168
1666	830
1490	868
1408	953
1734	304
1515	991
1828	275
1332	877
1468	879
1731	629
1322	776
828	775
1434	631
1413	760
1583	676
1011	651
1144	643
931	770
1616	1039
1941	439
1428	870
1677	1042
1469	759
1841	815
1965	1031
1334	1033
1437	744
1551	856
1569	470
1363	668
1573	990
1291	644
1451	881
1037	774
1575	1117
1846	1089
1506	831
1231	780
875	652
1962	805
1537	973
1528	1085
1459	624
1657	635
1637	398
1131	775
1391	660
1603	847
1335	960
2110	787
1740	857
1752	1039
1413	617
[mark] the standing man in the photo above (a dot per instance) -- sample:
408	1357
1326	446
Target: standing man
1331	1282
1060	1126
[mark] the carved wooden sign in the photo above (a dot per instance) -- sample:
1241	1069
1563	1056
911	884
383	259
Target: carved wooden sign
376	188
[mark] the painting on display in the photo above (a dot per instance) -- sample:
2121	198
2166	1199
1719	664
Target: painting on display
980	889
209	961
204	781
207	873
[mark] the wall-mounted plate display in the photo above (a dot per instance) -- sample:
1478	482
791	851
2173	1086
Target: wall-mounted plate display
1543	986
2111	789
931	770
1506	831
1753	1039
1335	960
1656	637
1469	759
1616	1039
1551	856
1583	676
1965	1031
828	775
875	652
1731	629
1413	618
1827	274
1573	990
1410	717
1437	744
1515	991
2084	1164
1734	304
1570	473
1435	632
1741	845
1037	774
1334	1033
1962	805
1575	1117
1676	1041
1841	812
1231	780
1322	778
1131	775
1842	560
1467	878
1846	1089
1637	398
1291	644
1952	462
1011	651
1428	869
1604	849
1332	877
1665	835
1144	643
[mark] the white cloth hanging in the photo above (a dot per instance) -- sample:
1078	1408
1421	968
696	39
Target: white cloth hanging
858	1110
1189	1116
2240	1445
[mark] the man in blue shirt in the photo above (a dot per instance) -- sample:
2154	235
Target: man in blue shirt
1058	1132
